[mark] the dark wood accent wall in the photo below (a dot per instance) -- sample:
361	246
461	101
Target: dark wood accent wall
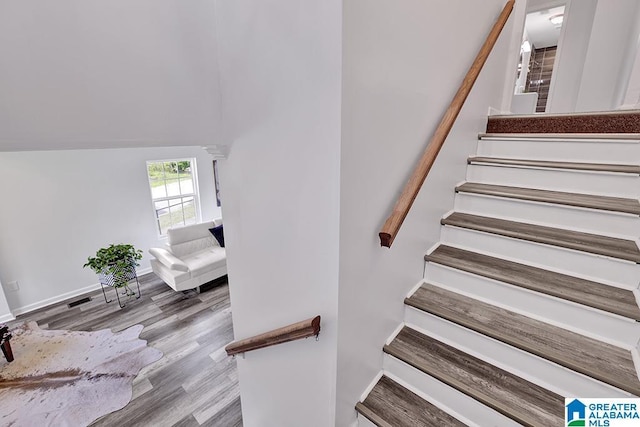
539	78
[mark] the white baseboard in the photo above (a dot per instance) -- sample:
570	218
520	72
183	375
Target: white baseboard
45	302
363	421
497	112
142	271
49	301
371	385
7	318
629	107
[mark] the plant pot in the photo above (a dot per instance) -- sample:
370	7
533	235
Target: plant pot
119	278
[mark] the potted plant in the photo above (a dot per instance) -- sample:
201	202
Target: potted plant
115	266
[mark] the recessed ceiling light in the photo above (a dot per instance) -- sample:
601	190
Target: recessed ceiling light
557	19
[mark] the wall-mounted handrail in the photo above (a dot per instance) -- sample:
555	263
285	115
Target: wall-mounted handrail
405	201
295	331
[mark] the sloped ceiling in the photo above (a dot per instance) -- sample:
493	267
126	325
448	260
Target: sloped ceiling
541	32
107	74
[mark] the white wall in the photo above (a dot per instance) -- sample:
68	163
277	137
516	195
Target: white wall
280	74
629	75
596	53
516	34
571	56
403	62
107	74
59	207
536	5
632	96
5	311
609	60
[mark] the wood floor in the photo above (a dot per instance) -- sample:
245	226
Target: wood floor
515	397
589	201
586	242
390	404
195	383
594	358
585	292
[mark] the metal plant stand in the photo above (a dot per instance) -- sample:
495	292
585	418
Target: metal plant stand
128	274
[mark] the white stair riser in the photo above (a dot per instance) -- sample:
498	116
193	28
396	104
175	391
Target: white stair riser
594	267
594	221
615	330
586	152
571	181
525	365
364	421
452	401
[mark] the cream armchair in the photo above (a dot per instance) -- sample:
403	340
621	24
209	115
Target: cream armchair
192	257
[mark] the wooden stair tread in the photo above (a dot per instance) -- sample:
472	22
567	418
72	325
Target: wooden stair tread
391	405
588	356
592	243
521	400
598	167
586	292
613	204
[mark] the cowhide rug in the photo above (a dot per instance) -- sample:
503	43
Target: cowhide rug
69	378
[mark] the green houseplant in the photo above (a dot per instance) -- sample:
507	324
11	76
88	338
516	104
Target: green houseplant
115	266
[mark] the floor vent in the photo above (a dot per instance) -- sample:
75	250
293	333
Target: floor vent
78	302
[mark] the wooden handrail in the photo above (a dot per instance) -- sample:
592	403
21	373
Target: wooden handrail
295	331
405	201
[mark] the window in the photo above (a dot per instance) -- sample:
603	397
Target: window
173	192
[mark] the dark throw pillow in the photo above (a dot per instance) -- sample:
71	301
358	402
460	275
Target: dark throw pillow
218	233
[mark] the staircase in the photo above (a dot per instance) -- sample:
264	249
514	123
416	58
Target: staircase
532	294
